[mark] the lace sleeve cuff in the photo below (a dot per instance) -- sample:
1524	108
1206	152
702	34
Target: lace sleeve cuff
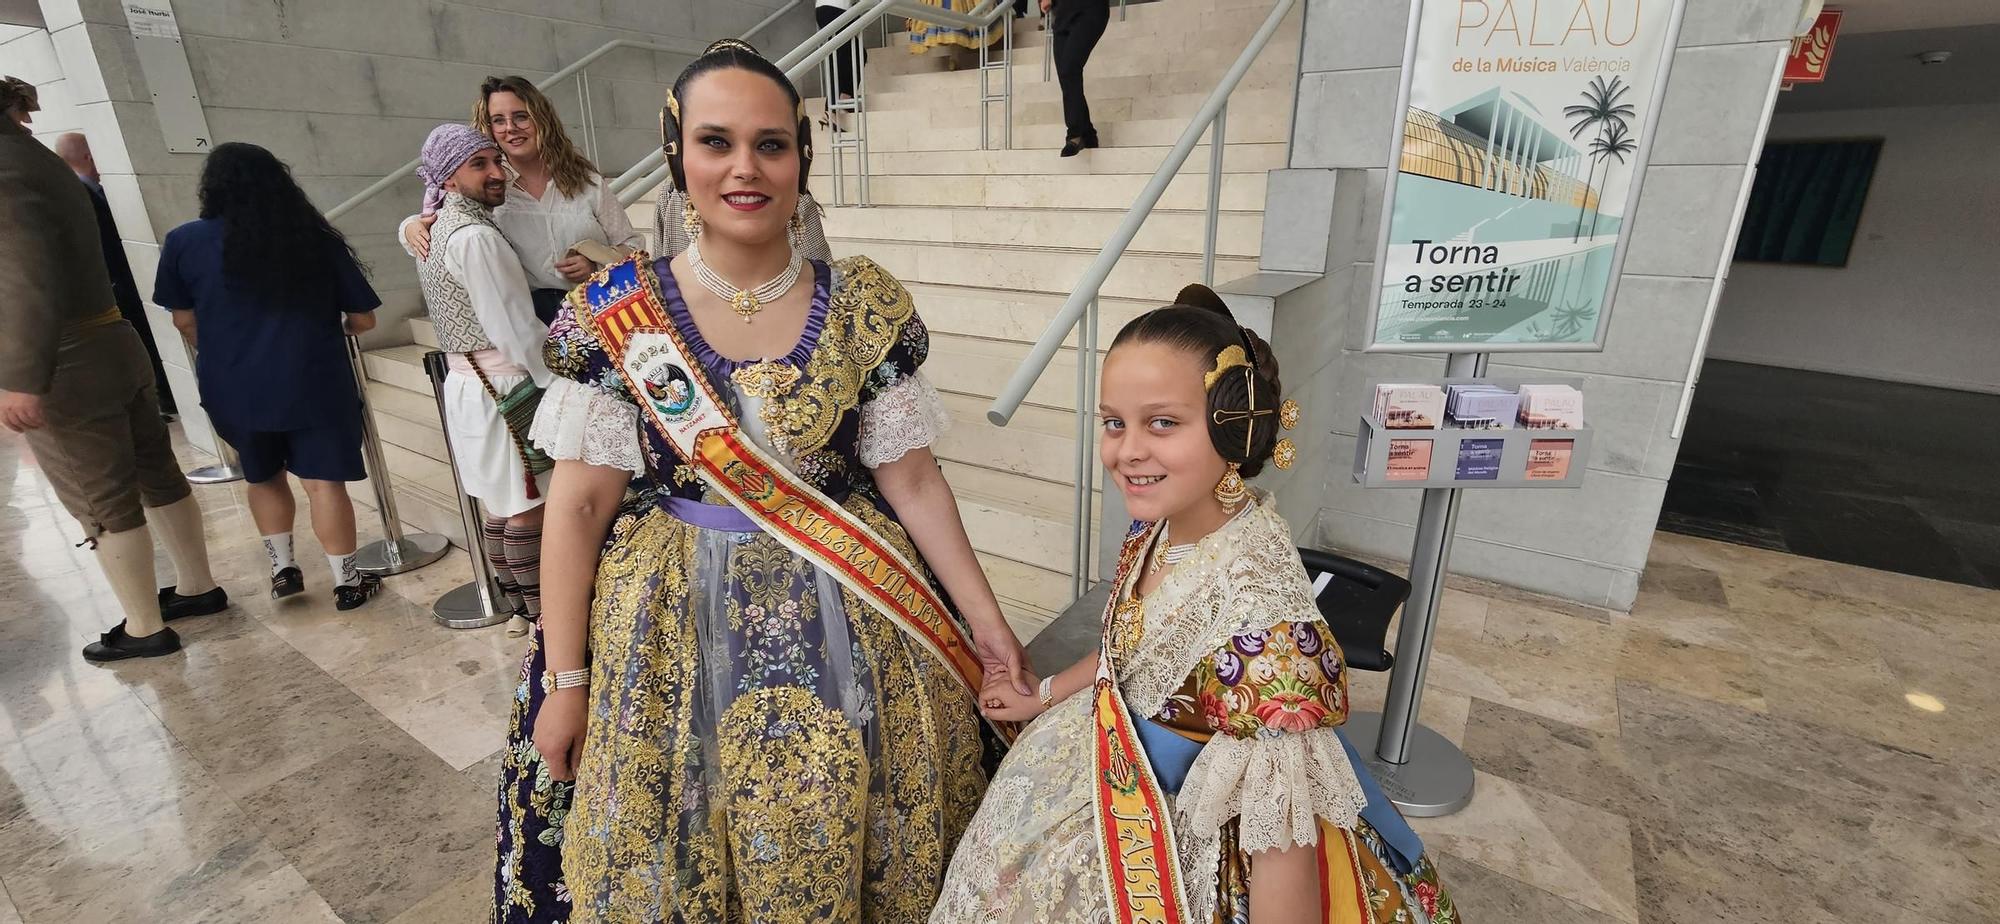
1277	783
905	416
582	424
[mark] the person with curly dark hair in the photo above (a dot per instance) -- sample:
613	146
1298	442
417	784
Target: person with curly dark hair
274	290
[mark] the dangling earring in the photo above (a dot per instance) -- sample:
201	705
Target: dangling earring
1231	490
798	232
691	220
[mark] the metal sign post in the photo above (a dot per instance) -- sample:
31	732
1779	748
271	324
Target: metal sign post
395	552
1422	772
472	605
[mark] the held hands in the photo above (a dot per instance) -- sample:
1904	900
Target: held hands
559	732
417	234
1012	704
1001	657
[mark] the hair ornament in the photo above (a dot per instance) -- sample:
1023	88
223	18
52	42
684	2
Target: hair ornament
673	105
1230	357
1284	454
1288	414
733	44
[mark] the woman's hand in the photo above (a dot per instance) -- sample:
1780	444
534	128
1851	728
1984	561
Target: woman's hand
1001	702
1001	657
575	267
559	731
417	235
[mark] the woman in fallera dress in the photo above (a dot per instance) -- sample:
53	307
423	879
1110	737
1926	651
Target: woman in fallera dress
1200	743
775	720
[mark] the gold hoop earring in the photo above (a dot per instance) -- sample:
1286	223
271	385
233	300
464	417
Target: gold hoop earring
690	220
1231	490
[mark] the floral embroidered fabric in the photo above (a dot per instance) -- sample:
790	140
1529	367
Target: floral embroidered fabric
1232	644
761	745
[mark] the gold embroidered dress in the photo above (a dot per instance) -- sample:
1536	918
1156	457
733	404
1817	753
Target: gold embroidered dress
1229	649
761	745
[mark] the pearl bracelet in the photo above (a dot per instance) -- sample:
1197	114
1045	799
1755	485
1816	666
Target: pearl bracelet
1048	693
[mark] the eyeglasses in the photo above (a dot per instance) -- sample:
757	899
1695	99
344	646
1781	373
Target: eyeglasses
518	120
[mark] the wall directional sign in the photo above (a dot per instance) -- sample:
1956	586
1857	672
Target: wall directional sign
156	37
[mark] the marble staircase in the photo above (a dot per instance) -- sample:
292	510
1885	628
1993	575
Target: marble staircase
990	242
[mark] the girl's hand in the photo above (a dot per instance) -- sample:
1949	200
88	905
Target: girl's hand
417	234
575	267
1001	702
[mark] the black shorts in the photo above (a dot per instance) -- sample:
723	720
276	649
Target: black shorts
328	452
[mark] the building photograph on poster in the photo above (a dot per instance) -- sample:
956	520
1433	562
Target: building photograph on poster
1524	135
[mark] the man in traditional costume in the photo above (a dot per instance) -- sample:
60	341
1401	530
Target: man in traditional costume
74	378
479	299
74	149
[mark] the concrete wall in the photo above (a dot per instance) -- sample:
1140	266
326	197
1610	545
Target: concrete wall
1915	301
1588	544
344	91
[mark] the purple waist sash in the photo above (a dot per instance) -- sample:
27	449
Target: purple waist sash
709	516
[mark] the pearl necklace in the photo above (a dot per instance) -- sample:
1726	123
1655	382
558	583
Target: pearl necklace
1165	554
745	302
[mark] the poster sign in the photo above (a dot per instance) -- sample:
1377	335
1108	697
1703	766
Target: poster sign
1813	51
1525	128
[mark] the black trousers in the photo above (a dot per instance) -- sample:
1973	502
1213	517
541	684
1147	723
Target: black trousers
842	61
1077	26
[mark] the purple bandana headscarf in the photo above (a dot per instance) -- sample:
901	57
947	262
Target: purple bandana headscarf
448	148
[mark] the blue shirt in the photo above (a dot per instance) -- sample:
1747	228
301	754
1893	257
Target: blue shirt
264	363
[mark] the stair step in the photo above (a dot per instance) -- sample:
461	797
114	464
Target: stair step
401	366
1156	38
1001	314
949	90
1146	276
976	367
1237	233
1237	157
1241	192
1259	127
1245	104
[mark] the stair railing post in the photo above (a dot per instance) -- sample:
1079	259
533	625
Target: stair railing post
395	552
1215	149
227	467
470	605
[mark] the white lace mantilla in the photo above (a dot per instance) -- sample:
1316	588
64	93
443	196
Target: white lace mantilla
906	416
578	423
1244	577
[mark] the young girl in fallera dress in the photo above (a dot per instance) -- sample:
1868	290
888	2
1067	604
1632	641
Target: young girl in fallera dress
1201	745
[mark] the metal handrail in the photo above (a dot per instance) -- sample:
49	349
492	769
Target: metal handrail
635	183
1086	289
1082	304
575	67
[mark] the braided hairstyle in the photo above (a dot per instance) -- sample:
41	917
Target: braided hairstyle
725	54
1243	401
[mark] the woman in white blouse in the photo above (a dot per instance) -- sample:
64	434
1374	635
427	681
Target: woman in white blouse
556	198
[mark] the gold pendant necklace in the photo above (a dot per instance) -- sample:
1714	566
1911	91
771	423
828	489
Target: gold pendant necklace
769	381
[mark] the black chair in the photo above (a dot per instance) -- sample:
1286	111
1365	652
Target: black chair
1357	600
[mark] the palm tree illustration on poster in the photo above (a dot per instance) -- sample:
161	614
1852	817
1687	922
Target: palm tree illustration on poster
1523	142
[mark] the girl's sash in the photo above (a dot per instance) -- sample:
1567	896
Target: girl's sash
1142	876
624	308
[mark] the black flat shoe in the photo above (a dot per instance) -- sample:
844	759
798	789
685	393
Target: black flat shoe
349	596
175	606
115	645
1074	146
286	582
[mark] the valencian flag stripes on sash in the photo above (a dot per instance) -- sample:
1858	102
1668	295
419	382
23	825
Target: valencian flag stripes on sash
1135	835
627	313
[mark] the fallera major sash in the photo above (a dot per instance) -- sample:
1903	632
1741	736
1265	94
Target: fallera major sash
624	308
1135	835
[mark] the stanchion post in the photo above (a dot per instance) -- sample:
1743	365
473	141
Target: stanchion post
1420	770
227	467
470	605
395	552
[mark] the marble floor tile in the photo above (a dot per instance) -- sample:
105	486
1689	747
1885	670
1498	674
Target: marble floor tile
1484	895
1545	686
378	826
1568	849
1718	674
469	899
8	913
462	724
1443	711
1548	633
